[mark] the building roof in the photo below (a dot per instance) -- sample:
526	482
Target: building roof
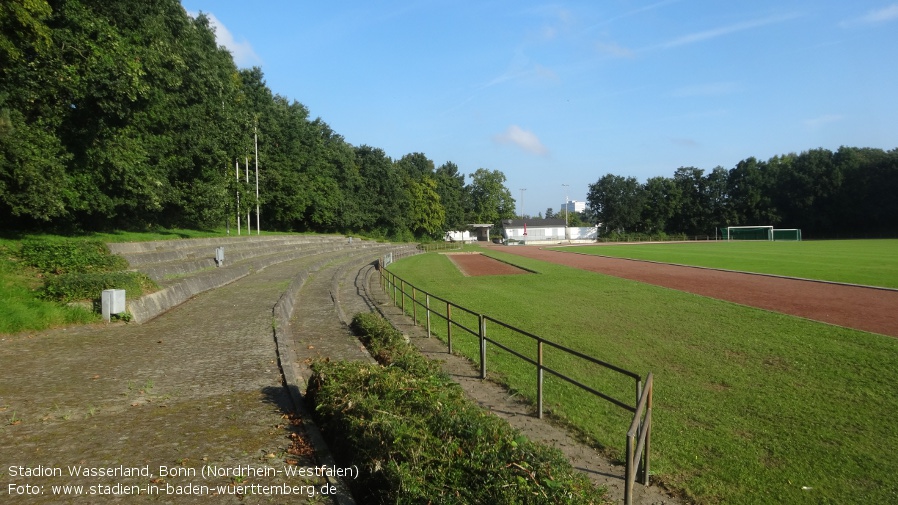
533	223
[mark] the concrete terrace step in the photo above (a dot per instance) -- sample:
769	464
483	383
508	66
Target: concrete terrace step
199	275
147	253
165	273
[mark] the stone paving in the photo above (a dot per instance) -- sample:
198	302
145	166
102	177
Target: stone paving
199	385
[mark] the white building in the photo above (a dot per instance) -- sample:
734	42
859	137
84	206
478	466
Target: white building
573	206
544	231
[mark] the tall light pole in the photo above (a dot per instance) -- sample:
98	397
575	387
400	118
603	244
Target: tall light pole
522	202
256	145
566	232
565	202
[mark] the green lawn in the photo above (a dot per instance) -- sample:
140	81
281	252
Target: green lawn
750	406
868	262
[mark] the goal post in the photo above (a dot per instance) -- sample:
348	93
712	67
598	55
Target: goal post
792	234
731	233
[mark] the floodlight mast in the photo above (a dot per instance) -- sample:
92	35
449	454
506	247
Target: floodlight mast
249	226
522	202
567	235
256	146
237	173
566	200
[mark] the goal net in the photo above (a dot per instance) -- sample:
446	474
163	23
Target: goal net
731	233
786	234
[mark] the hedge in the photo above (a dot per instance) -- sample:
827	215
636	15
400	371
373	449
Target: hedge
417	438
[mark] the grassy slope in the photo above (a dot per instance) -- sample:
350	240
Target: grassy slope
20	307
750	406
868	262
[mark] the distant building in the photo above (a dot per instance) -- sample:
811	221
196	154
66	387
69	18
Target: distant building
573	206
533	229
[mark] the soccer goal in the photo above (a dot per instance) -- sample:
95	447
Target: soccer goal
731	233
787	234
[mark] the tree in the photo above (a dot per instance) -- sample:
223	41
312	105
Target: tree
662	199
491	201
426	213
453	195
549	213
692	216
750	186
616	202
382	196
415	165
719	210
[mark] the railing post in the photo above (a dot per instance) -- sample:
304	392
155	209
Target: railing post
449	325
482	347
427	305
414	306
402	296
539	378
638	391
629	477
648	435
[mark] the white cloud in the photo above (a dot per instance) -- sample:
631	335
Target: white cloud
614	49
242	51
724	30
821	121
883	15
524	139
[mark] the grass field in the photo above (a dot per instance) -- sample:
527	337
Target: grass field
867	262
750	406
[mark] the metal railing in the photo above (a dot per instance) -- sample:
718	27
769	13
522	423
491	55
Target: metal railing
639	434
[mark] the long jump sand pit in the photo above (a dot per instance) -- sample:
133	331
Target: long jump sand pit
475	264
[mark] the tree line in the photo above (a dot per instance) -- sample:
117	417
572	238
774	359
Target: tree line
849	192
122	114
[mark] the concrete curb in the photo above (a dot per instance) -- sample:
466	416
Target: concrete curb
294	380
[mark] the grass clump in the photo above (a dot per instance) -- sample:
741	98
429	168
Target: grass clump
416	438
70	256
80	269
87	286
41	275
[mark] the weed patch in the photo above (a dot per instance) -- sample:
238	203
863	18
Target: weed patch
63	256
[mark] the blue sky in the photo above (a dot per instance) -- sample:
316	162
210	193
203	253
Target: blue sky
563	93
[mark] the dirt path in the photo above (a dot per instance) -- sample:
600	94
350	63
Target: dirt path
862	308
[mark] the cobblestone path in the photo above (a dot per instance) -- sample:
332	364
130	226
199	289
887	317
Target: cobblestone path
199	385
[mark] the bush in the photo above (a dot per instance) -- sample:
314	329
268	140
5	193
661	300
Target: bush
70	256
388	346
88	286
416	438
616	236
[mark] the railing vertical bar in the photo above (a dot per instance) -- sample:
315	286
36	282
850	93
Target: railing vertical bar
629	478
414	306
402	295
427	304
648	435
449	325
482	346
539	379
